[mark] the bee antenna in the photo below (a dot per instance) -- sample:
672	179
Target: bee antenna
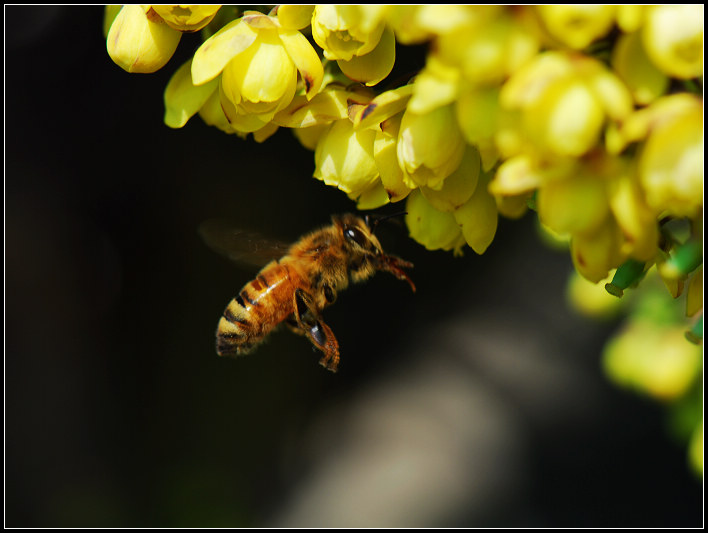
373	220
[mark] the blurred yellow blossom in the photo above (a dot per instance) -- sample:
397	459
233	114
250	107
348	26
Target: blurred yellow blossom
673	38
653	359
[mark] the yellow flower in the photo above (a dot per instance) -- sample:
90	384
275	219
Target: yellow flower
643	78
653	358
258	61
295	17
489	50
344	158
414	24
346	31
141	43
564	101
673	38
433	229
430	146
459	186
186	18
594	254
575	204
638	221
671	164
577	25
478	217
387	159
357	38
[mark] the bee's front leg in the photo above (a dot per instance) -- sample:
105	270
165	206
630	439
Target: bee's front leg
395	265
309	321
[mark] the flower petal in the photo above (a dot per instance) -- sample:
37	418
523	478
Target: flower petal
212	56
182	98
295	16
459	186
374	66
382	107
478	218
305	58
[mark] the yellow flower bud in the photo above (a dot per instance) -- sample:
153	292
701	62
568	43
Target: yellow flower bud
575	204
513	207
639	125
430	147
436	85
432	228
630	17
478	115
671	165
459	186
138	44
653	359
418	23
564	101
630	61
638	222
344	158
487	53
567	120
346	31
595	254
374	66
387	160
577	25
591	299
295	17
673	38
186	18
478	217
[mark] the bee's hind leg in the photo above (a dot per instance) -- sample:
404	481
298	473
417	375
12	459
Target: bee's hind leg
309	323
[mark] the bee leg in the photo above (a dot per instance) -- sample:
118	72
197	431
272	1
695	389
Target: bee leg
309	321
395	265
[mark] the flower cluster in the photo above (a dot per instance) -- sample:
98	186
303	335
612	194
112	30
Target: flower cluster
590	115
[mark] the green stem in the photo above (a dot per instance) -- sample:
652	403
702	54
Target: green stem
685	259
629	273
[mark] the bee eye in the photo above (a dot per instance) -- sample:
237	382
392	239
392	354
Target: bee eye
355	234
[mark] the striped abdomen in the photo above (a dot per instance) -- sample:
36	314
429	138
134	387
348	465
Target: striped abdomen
260	306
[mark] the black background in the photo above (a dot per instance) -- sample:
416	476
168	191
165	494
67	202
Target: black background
478	401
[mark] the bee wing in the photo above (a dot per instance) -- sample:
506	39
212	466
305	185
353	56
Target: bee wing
241	246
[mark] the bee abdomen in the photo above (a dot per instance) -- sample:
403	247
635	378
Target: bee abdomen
234	334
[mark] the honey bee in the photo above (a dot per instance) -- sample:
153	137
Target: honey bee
295	288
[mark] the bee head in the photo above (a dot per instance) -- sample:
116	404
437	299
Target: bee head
358	234
363	249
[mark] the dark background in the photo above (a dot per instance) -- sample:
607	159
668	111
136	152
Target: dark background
478	401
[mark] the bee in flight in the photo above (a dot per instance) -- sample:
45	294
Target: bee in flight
295	288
